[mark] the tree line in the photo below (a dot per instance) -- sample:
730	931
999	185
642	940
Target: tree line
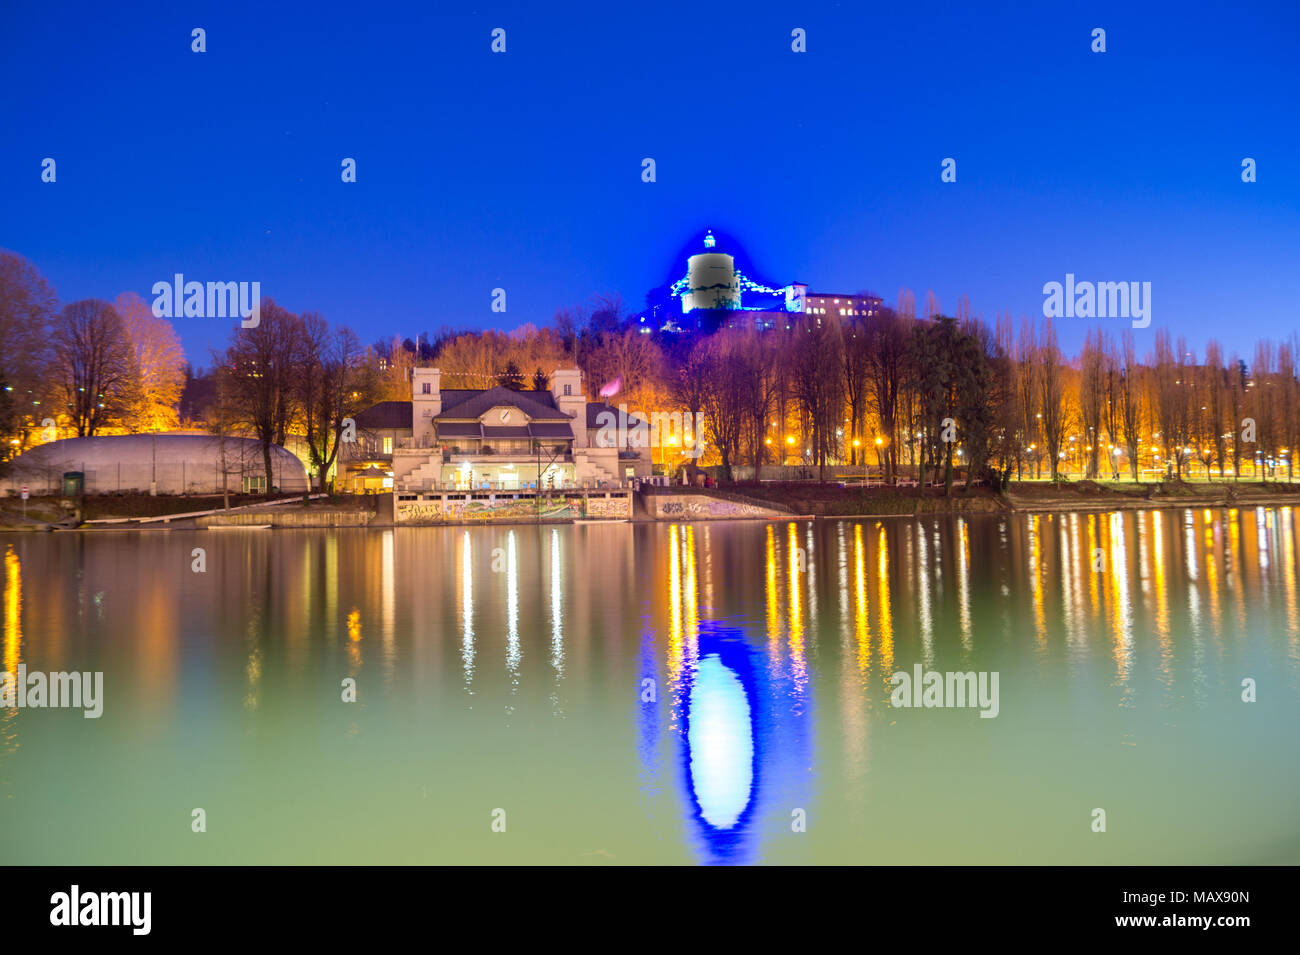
928	396
85	368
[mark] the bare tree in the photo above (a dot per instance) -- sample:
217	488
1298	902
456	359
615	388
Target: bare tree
1027	375
1288	355
1216	399
330	389
817	386
1051	394
724	395
27	304
855	368
1092	394
1237	408
1264	400
887	356
94	366
260	365
753	359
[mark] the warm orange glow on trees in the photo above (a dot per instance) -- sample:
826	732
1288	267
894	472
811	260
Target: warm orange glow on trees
159	365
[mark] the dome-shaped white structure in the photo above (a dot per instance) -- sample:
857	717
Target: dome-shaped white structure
177	463
711	279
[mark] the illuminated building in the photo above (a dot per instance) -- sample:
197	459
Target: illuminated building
719	290
490	439
844	306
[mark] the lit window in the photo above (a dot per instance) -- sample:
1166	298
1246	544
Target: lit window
388	445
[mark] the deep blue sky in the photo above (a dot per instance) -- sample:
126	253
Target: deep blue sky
522	170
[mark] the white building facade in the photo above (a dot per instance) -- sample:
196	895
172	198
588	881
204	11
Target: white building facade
498	439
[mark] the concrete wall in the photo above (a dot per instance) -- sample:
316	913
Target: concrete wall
701	507
319	518
508	507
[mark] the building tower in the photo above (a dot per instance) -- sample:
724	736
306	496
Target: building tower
566	387
711	279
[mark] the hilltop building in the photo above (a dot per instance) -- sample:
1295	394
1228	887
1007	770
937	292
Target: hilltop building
719	291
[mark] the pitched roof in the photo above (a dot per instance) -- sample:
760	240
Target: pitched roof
596	408
535	404
549	429
386	414
457	429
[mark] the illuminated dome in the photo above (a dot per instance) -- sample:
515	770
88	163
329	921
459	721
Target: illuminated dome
711	279
178	463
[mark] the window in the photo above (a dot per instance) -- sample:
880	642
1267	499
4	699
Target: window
388	445
568	389
427	389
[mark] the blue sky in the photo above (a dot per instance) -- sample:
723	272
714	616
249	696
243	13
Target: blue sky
522	170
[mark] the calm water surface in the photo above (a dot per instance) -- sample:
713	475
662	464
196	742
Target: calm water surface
661	693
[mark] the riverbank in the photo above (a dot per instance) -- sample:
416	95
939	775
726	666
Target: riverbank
767	501
1129	495
167	512
836	501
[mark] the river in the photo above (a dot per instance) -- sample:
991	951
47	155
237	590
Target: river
662	693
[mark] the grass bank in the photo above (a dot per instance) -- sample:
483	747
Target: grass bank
1131	495
42	511
831	500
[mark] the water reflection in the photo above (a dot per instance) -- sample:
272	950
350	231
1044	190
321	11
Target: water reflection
513	650
557	607
13	644
740	670
467	609
720	763
739	695
1121	614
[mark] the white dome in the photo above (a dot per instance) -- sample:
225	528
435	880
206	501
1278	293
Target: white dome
179	463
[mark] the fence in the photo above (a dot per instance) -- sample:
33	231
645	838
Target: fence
184	477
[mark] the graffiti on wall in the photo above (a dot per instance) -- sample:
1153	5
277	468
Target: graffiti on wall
419	511
710	507
552	508
613	507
